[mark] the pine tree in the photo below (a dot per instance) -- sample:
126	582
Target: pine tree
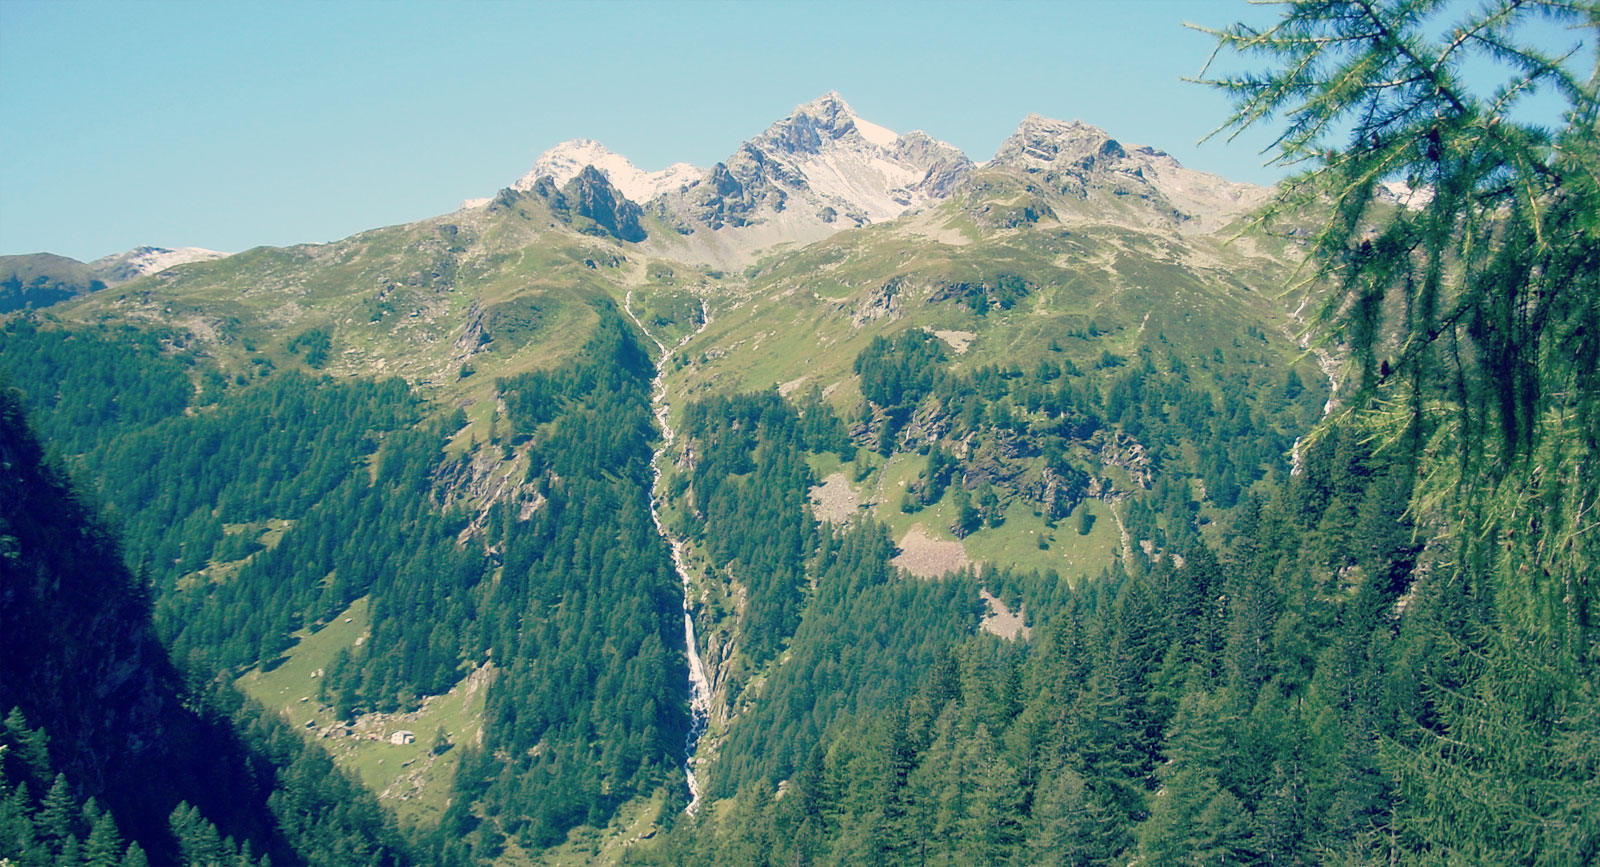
1497	355
104	848
29	746
57	819
1193	819
18	838
989	827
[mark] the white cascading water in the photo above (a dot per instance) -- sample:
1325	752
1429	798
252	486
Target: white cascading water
1329	367
699	686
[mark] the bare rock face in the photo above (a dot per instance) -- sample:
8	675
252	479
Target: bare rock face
602	209
475	333
883	301
1073	161
736	192
1041	144
591	195
812	126
944	167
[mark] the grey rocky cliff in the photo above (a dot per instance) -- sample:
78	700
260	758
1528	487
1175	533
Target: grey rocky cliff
945	168
1069	161
824	169
592	196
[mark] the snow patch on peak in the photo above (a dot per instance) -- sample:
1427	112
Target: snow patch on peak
140	261
880	136
836	114
563	162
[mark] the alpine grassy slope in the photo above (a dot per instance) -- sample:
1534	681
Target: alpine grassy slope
1003	533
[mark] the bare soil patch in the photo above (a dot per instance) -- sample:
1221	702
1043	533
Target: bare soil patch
926	557
834	500
958	340
1002	621
787	388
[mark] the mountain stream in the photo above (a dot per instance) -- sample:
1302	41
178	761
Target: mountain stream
699	685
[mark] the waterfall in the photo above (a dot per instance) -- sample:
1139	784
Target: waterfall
699	685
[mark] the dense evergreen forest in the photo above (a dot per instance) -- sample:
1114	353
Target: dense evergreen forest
1228	709
855	635
109	753
1385	656
590	709
574	602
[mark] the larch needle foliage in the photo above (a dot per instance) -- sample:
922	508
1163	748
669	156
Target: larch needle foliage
1470	306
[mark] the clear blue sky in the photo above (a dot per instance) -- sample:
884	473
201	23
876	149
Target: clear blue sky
230	125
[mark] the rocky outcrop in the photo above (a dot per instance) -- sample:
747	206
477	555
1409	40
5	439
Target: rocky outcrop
734	192
944	167
591	196
474	334
882	302
1120	450
1072	161
587	202
479	479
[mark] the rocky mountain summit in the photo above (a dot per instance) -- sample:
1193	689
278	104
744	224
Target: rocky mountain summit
824	168
1081	163
599	206
827	160
563	162
819	170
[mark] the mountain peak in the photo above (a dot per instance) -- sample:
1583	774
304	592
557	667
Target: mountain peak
1041	141
1075	157
567	160
830	101
131	264
828	117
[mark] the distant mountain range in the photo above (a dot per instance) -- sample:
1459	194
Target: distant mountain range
41	279
818	171
824	168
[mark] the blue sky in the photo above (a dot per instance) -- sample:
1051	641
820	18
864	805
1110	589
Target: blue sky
230	125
